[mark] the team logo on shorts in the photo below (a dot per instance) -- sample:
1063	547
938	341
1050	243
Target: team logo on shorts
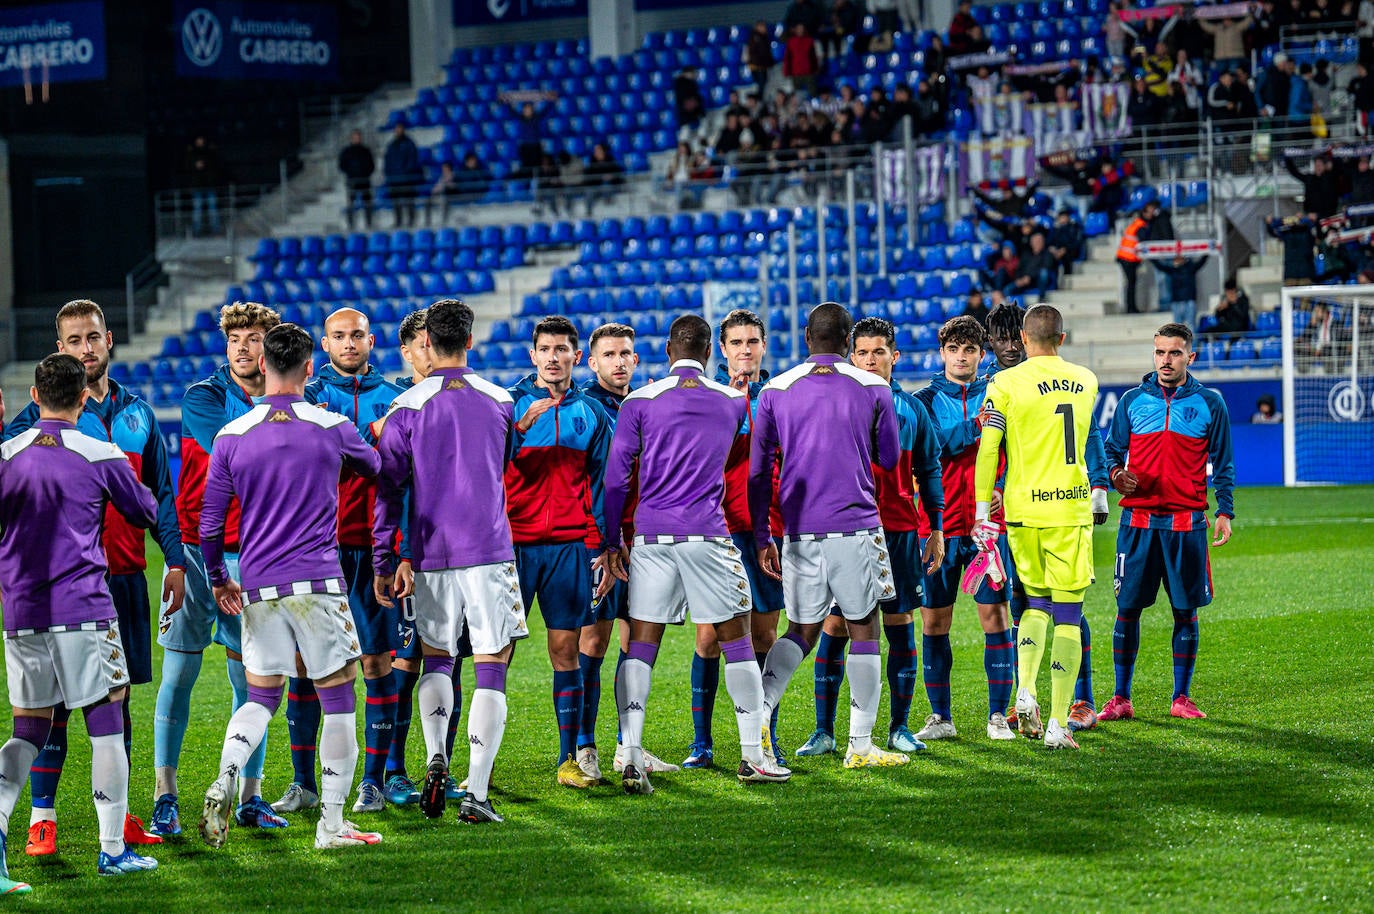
164	625
455	384
407	635
279	415
110	635
348	628
743	602
114	654
741	585
739	569
117	674
353	645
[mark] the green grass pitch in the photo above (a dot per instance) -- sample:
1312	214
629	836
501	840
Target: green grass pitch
1265	806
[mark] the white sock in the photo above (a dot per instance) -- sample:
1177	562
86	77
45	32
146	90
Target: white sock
435	705
16	758
249	788
865	690
110	787
338	760
246	730
744	683
782	661
486	726
36	814
636	677
164	781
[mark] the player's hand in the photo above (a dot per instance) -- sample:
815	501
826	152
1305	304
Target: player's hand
995	502
933	556
1100	507
1223	531
770	562
405	580
537	409
740	382
229	598
985	534
607	568
383	586
174	589
1125	482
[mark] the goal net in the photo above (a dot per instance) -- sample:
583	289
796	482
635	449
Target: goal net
1328	384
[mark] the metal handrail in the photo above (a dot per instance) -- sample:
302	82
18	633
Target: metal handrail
146	274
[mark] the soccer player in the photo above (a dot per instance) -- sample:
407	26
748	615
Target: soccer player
679	432
1165	436
874	349
743	342
553	492
1041	410
612	358
349	385
185	634
1004	336
829	423
114	414
282	461
62	639
464	563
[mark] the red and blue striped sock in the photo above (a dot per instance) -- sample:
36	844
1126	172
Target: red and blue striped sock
591	699
405	708
1083	688
1185	649
567	708
705	684
939	661
1125	646
303	726
457	710
901	671
830	654
47	767
379	722
998	651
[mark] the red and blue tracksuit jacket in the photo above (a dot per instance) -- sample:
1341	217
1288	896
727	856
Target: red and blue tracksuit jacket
207	407
364	398
556	482
953	409
127	421
610	403
919	459
737	517
1167	437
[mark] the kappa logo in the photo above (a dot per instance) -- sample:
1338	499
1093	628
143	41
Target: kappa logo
689	383
742	585
279	415
455	384
46	441
634	706
739	710
823	369
328	772
353	646
853	705
117	675
348	628
440	711
1058	667
115	654
240	738
100	795
201	37
473	740
1026	642
110	635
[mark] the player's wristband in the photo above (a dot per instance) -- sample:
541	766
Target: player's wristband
980	511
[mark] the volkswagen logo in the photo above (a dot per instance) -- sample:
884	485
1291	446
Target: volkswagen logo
1345	403
201	37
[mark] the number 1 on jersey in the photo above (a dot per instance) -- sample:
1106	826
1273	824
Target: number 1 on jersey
1070	445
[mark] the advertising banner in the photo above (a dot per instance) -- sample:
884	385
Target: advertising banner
236	39
56	43
495	12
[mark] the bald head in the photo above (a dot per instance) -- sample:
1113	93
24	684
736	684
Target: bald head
827	329
348	341
1043	328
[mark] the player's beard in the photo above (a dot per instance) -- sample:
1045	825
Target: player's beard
342	368
250	375
97	371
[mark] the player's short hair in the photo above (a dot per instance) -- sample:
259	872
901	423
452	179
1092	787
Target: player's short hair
1044	324
79	308
611	331
1005	320
449	324
247	315
874	326
963	330
555	325
742	317
1177	331
412	325
828	326
287	348
690	337
59	379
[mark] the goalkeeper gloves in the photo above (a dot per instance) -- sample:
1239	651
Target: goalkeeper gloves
987	563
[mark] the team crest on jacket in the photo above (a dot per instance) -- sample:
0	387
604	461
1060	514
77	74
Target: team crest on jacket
579	424
131	420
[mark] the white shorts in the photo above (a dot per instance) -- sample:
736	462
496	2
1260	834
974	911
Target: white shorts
72	668
704	575
317	625
851	570
485	598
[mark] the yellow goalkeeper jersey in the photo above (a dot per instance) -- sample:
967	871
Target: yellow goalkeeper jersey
1041	411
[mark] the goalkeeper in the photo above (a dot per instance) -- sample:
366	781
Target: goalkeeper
1041	413
1164	435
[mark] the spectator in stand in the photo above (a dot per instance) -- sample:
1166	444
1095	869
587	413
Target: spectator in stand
1296	234
358	166
930	113
529	137
809	14
1361	89
976	308
1180	276
1186	74
846	18
1005	268
960	26
1115	30
799	62
1228	40
1233	310
687	102
603	176
1177	113
1012	202
1109	190
1264	29
1266	411
1275	88
910	12
445	191
1321	86
1320	194
403	175
204	174
1039	272
679	177
548	185
474	178
1223	100
727	142
1128	251
572	178
758	55
885	12
1066	240
1158	67
1142	105
1322	341
1361	182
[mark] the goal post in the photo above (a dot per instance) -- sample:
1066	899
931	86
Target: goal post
1328	384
